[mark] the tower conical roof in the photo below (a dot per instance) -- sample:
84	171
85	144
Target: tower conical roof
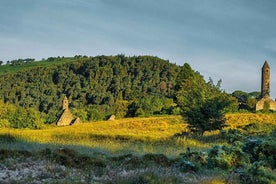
265	65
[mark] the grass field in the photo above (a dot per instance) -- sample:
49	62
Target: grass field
126	151
133	135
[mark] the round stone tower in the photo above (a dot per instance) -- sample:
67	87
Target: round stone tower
265	91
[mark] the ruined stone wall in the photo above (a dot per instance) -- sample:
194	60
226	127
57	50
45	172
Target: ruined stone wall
261	104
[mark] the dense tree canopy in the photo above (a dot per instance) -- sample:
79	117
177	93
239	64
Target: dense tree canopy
103	84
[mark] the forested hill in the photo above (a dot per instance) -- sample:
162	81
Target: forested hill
96	86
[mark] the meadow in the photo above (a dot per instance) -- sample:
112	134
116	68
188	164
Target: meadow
133	135
136	149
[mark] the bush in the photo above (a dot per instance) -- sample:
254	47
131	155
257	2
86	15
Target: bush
232	136
227	157
261	150
26	118
257	174
192	161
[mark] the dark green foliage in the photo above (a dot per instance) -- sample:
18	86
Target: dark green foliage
150	105
7	138
106	83
6	153
257	174
247	101
159	159
233	135
227	157
208	116
94	114
203	104
262	150
192	161
252	157
71	158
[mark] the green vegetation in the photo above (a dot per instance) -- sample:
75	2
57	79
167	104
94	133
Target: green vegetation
206	144
245	154
96	86
247	101
203	104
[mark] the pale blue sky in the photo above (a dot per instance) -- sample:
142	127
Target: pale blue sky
222	39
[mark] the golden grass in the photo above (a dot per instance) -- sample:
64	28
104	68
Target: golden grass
236	120
138	135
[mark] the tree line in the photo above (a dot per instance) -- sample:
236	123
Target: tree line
100	86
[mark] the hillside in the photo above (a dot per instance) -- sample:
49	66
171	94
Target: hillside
96	86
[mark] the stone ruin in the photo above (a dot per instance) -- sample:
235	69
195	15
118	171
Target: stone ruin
66	117
265	100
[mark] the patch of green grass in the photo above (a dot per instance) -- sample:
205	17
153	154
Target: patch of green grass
4	69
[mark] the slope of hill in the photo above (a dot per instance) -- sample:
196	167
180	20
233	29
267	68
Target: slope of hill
96	86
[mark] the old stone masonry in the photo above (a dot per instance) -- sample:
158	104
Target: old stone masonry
265	101
66	117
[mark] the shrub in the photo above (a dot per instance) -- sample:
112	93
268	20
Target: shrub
253	148
227	157
192	161
26	118
257	174
261	150
233	135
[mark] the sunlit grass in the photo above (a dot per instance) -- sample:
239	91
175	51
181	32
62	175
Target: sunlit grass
236	120
133	135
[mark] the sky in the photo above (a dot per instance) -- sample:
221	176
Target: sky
222	39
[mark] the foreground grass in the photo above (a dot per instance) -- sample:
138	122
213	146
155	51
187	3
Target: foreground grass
138	150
